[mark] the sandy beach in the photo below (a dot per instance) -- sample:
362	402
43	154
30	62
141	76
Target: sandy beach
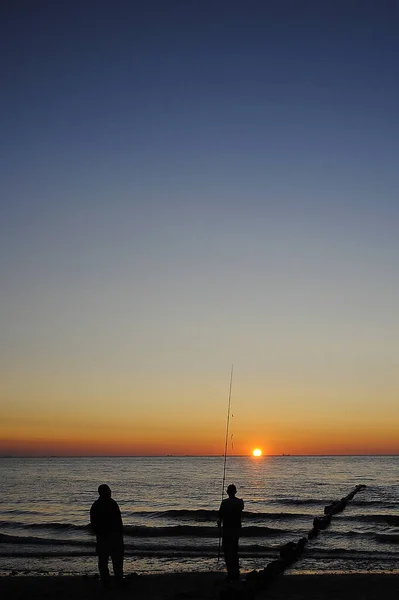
206	586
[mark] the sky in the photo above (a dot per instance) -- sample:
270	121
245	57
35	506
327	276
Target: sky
189	185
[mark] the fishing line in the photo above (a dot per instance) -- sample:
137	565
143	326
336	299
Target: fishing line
225	451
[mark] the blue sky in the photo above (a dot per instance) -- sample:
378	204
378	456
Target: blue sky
189	184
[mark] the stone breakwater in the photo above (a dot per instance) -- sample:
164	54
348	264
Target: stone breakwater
289	553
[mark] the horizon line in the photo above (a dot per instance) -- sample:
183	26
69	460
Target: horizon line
183	455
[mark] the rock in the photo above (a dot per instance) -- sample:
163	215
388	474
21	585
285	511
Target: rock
335	507
302	543
321	522
252	576
287	551
313	533
276	567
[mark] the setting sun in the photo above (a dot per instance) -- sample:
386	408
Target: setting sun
257	452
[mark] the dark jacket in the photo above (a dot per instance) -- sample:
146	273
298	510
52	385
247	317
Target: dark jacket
105	517
230	512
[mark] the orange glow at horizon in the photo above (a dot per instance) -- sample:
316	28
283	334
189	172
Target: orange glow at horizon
257	452
78	446
122	430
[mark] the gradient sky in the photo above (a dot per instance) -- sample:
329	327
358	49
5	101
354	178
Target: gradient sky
187	184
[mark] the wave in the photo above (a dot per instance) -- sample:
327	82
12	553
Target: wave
17	511
349	553
388	538
381	503
198	516
19	545
203	515
172	531
323	501
183	514
378	518
250	530
299	502
57	526
197	531
19	539
47	548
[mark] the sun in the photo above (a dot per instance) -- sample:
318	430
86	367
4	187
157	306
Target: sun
257	452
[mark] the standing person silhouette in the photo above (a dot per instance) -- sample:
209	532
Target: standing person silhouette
106	522
230	512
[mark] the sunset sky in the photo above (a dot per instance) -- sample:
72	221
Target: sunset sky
187	184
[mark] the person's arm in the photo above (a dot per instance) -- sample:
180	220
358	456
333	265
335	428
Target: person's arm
118	517
220	515
93	518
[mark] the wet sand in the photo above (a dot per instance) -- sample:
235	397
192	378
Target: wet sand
201	586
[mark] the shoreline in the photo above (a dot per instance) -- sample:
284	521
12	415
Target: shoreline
201	586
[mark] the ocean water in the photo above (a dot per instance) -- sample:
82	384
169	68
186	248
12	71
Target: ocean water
169	508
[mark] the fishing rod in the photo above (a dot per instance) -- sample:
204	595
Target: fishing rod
225	452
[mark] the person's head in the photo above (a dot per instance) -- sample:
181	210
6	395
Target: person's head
231	490
104	491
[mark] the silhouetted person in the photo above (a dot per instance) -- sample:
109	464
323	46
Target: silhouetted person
106	521
230	517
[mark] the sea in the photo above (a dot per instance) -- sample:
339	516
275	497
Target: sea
169	508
